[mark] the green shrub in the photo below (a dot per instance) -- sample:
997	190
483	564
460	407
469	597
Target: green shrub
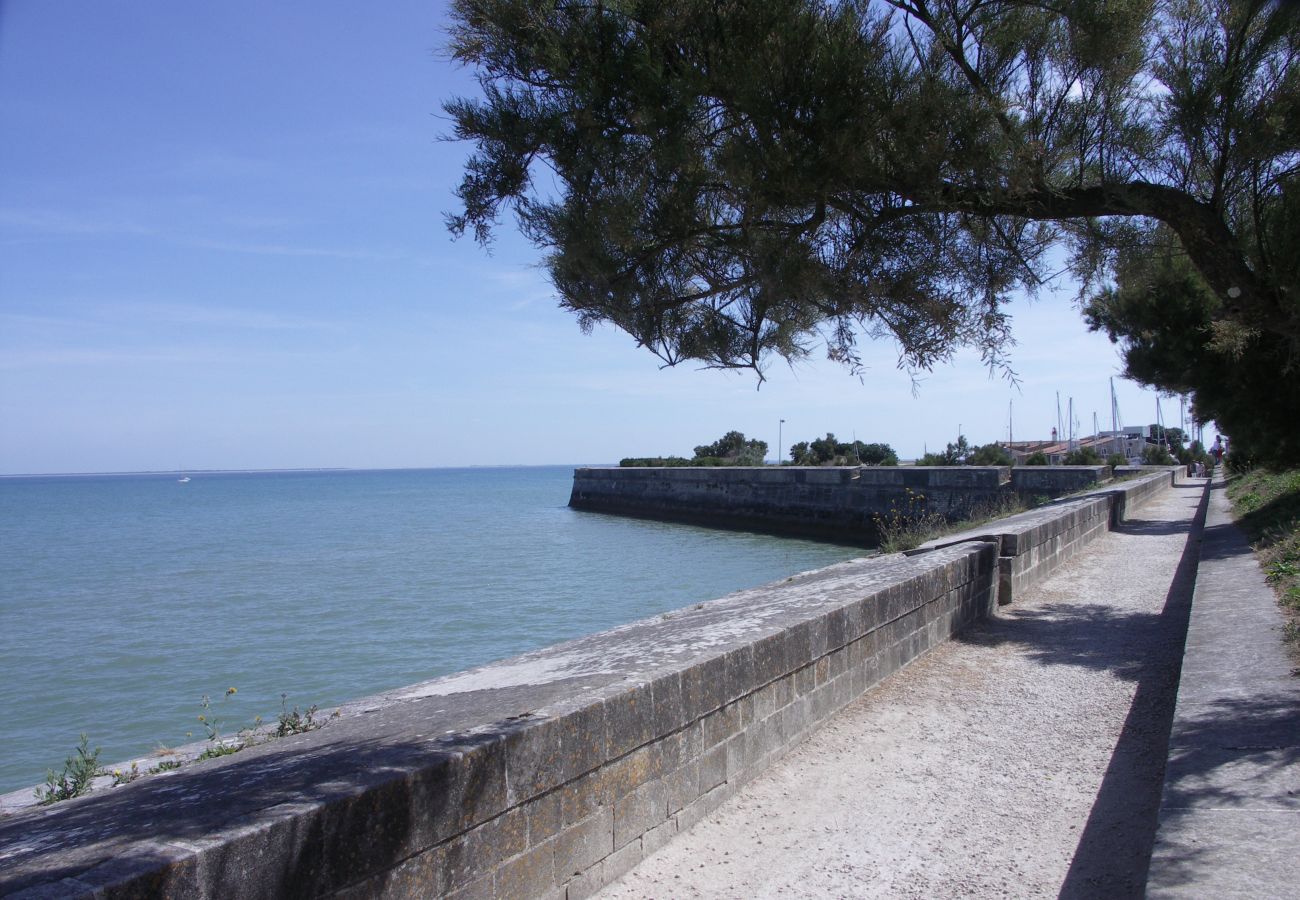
1157	455
78	772
641	462
1084	456
990	455
1037	458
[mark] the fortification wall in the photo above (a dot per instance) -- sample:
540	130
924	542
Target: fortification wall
837	502
840	502
545	775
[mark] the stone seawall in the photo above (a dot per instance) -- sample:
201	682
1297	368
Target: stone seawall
548	774
837	503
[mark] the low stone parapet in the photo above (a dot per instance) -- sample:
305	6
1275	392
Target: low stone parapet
545	775
548	774
1056	480
1033	544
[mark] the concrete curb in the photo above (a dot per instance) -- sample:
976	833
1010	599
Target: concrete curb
1230	811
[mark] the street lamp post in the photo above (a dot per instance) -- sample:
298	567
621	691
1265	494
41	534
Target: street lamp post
780	453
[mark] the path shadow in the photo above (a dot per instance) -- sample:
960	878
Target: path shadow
1084	634
1142	528
1113	855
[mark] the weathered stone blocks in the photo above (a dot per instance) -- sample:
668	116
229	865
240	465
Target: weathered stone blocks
537	788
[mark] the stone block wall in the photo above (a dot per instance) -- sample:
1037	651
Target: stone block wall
1035	543
545	775
1056	480
831	502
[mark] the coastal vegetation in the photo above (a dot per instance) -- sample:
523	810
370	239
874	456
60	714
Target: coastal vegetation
732	449
79	771
82	768
1266	504
961	453
828	451
735	182
910	524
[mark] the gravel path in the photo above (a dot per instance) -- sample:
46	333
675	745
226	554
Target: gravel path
1024	759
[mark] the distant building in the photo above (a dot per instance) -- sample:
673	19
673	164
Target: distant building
1128	442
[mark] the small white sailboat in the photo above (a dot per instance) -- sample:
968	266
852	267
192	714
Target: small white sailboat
184	479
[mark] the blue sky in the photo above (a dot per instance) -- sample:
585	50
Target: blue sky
221	246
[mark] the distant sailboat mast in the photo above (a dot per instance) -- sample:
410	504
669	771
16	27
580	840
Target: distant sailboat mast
1114	408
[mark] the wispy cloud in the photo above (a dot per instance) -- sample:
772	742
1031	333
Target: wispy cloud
78	224
112	317
282	249
217	316
120	357
46	221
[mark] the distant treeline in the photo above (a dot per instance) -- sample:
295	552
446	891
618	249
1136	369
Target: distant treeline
734	449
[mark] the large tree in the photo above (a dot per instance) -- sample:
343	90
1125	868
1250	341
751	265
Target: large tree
729	180
1174	337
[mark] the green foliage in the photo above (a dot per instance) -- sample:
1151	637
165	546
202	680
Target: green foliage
907	525
126	776
829	451
1173	438
218	750
910	524
79	770
1157	455
733	448
953	454
1084	456
1193	453
291	721
874	454
1176	335
1267	505
1037	458
633	462
169	765
208	718
733	182
990	455
1116	459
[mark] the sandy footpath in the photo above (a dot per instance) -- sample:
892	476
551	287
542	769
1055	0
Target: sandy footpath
1022	760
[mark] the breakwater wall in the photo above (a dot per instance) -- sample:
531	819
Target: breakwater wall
548	774
839	502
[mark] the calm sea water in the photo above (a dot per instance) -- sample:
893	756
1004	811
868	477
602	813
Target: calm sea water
124	599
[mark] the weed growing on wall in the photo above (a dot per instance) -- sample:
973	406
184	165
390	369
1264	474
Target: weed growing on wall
79	770
126	776
908	524
294	722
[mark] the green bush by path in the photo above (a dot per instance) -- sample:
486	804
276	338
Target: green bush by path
1267	505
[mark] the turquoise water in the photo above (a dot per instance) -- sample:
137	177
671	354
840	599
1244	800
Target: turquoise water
124	599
